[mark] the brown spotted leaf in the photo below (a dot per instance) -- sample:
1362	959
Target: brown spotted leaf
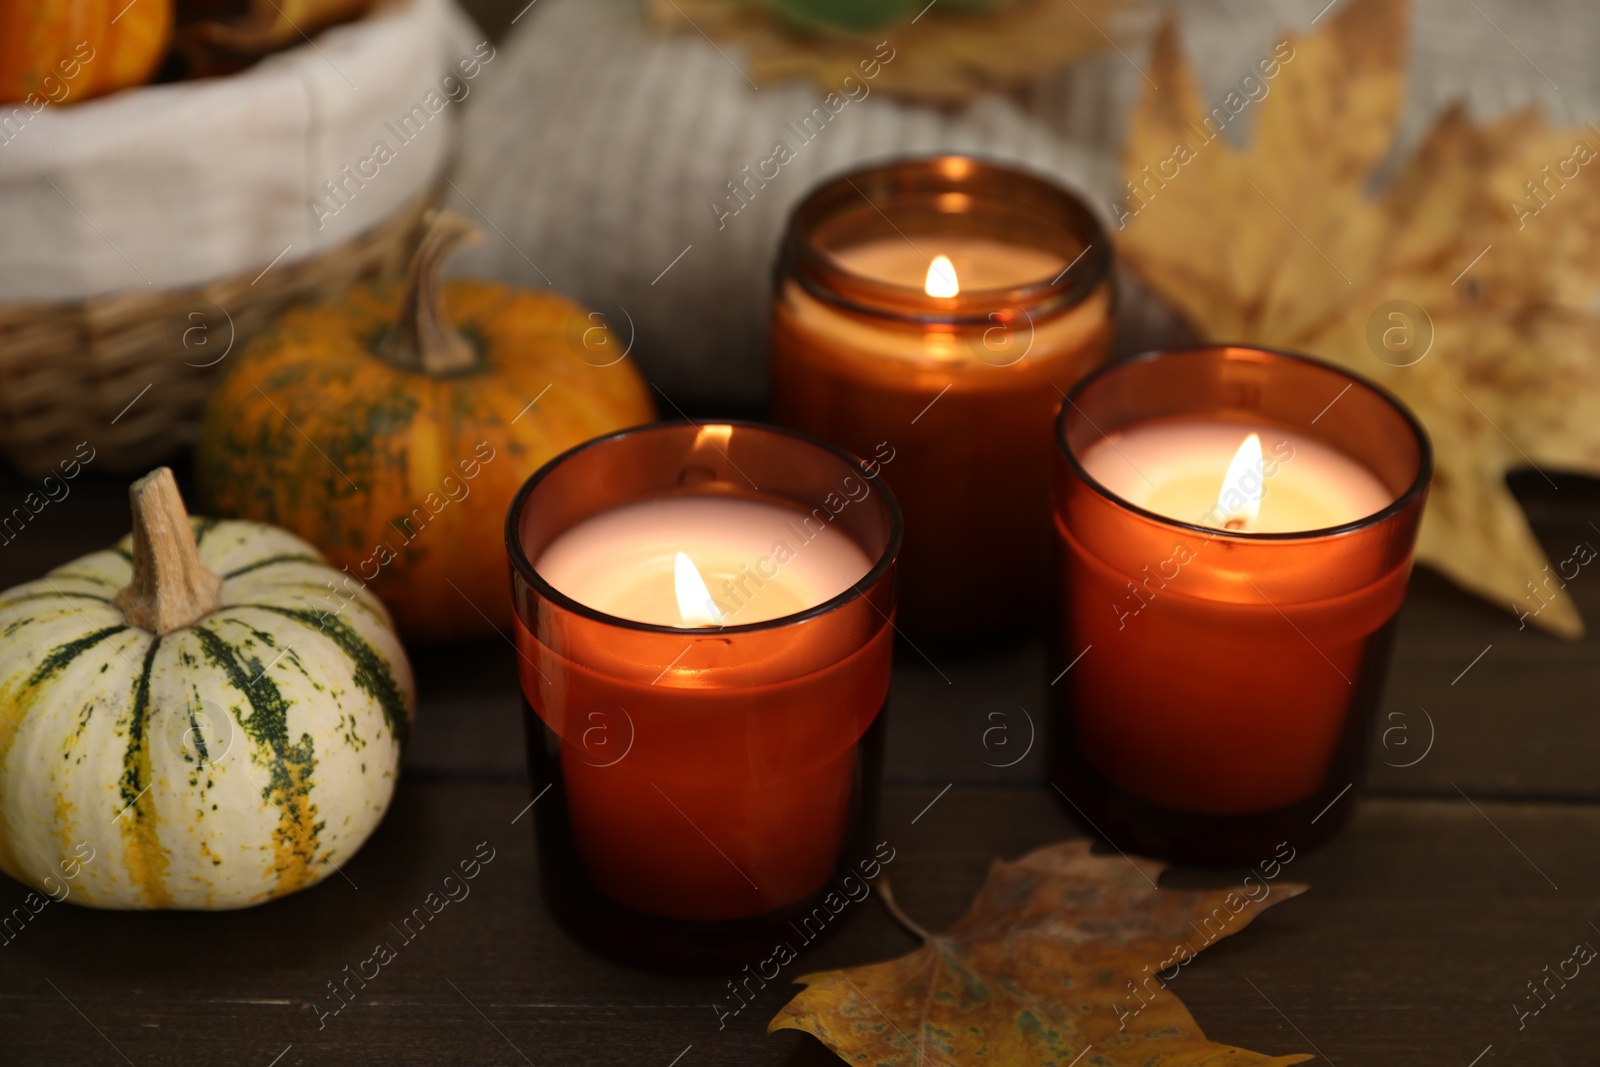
1055	965
1469	285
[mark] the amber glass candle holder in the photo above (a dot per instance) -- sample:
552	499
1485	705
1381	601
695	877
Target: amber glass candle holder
1213	688
955	395
697	790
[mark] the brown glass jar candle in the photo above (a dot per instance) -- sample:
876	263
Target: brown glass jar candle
712	757
931	314
1223	627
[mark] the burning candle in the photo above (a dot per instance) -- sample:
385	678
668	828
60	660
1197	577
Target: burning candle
941	308
1217	473
700	561
973	262
1235	531
704	636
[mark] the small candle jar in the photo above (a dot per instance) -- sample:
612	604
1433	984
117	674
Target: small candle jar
704	633
933	313
1235	529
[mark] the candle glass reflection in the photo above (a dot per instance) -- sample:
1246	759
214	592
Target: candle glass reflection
1215	667
936	311
706	772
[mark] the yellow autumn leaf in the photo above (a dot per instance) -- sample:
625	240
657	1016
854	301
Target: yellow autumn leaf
1059	963
1469	285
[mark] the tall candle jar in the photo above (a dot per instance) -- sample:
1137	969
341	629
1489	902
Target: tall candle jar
704	628
936	311
1235	529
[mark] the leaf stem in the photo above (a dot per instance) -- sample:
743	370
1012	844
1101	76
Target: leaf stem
886	893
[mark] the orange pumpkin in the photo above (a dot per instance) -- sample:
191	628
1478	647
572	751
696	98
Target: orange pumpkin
62	51
391	428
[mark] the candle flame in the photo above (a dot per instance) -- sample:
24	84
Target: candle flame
694	599
941	280
1245	479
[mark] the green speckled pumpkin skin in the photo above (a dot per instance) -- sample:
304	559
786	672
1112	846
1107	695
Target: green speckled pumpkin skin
225	764
401	477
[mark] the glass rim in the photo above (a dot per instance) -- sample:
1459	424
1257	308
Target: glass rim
1402	502
524	567
816	272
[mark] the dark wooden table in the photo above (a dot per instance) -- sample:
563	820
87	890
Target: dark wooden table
1472	864
1461	878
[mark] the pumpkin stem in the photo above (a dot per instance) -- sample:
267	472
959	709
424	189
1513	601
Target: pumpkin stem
422	339
171	588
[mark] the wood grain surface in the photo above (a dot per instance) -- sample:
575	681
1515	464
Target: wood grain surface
1422	927
1461	878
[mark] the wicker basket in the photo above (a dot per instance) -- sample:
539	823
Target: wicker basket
129	371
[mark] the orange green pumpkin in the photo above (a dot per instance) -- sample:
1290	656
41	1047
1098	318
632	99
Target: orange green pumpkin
391	428
62	51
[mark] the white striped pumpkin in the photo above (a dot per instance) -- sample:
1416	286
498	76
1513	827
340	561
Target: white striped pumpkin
239	747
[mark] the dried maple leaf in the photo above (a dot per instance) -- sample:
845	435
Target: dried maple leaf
220	37
946	57
1055	957
1469	286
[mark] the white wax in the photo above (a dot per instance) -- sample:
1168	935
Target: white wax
760	560
979	262
1176	467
